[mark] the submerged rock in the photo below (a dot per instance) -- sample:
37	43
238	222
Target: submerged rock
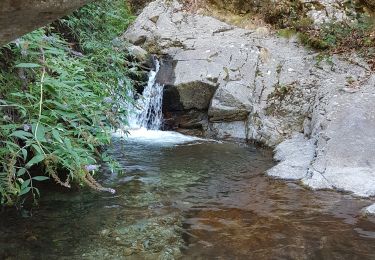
229	82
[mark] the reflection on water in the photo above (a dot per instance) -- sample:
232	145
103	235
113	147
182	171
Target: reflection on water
191	200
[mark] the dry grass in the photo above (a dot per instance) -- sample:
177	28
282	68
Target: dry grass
249	21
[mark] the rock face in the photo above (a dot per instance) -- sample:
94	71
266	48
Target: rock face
227	82
18	17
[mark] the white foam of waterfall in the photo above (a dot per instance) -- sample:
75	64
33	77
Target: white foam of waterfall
148	110
147	117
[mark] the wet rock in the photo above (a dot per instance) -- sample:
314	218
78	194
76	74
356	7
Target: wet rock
192	122
229	130
195	95
166	74
128	252
139	53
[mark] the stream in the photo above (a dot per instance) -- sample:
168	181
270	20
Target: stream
187	198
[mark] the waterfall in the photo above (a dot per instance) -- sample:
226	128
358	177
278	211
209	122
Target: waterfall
146	117
148	109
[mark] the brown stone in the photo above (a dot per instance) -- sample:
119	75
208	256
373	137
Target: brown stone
18	17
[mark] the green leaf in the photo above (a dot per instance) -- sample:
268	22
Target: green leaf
68	145
21	172
37	191
24	95
56	135
25	184
51	89
40	178
27	65
41	132
37	149
35	160
24	154
24	191
22	134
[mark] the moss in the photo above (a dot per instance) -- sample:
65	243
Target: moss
304	23
279	68
287	33
280	92
312	41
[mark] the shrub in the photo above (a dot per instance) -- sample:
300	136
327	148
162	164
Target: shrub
60	100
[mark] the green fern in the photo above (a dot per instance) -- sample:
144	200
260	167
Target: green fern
59	102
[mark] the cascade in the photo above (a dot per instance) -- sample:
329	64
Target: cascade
148	108
146	116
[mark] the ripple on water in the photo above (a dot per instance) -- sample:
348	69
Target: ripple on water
182	197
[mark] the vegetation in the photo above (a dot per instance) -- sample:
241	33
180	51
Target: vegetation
61	93
290	18
356	34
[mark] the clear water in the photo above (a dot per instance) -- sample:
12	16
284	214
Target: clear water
184	198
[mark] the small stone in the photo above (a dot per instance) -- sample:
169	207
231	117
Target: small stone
127	252
262	31
139	53
154	19
350	90
105	232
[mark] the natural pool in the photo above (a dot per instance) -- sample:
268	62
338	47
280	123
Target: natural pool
186	198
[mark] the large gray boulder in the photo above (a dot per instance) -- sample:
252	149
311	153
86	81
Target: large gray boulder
246	85
230	73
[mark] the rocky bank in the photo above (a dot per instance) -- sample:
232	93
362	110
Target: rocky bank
225	82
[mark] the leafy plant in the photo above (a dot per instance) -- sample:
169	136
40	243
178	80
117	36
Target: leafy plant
60	100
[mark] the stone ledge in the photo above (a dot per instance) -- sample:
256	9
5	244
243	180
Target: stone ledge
18	17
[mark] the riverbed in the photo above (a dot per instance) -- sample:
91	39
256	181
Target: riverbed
181	197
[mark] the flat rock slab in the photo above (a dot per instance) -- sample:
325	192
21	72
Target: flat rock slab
345	158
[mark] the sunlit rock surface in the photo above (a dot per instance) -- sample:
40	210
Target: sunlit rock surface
267	89
370	210
18	17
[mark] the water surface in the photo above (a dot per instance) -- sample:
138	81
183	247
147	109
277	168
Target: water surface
186	198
